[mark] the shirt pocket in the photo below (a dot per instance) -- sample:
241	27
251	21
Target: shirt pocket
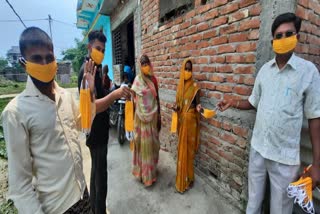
291	101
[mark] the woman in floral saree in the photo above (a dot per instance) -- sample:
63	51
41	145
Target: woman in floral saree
188	108
147	124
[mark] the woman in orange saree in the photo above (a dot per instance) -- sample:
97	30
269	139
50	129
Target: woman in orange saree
147	124
188	108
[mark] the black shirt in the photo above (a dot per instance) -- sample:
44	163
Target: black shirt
100	127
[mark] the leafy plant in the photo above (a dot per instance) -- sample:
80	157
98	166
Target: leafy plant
76	55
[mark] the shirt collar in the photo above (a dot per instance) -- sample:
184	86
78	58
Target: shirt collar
292	62
32	91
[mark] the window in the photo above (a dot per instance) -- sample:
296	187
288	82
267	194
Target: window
170	9
117	50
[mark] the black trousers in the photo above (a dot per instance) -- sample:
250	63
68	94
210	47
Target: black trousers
99	178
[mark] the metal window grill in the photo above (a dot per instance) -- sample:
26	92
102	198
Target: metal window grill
117	47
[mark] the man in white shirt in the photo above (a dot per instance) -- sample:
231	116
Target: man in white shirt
285	88
41	131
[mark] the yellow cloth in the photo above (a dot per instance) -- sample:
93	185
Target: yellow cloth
207	113
85	109
174	122
285	45
129	116
43	73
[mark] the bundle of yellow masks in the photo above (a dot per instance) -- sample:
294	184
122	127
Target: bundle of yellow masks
207	113
301	191
85	109
174	122
129	119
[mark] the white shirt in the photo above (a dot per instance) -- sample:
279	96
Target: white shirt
42	144
281	97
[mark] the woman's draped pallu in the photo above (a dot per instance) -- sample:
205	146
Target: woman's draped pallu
146	134
188	131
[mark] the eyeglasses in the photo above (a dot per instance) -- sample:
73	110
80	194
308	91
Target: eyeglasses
286	34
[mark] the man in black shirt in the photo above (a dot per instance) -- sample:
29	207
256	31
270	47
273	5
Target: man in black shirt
97	140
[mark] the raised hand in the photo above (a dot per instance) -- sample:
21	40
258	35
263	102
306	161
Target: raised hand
224	105
89	74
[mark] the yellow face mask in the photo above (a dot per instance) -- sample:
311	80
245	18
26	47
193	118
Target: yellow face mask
43	73
97	56
285	45
146	70
187	75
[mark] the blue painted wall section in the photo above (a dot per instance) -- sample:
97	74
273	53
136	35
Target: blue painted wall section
89	19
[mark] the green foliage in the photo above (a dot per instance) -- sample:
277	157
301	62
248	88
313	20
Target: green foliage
3	151
10	87
8	208
3	63
76	55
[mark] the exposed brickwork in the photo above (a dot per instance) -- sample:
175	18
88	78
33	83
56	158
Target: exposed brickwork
309	47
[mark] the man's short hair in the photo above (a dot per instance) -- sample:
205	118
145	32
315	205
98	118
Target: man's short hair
34	37
286	18
97	34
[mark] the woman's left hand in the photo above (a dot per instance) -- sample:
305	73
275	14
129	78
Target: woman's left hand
199	107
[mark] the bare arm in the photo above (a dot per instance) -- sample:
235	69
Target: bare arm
314	130
238	104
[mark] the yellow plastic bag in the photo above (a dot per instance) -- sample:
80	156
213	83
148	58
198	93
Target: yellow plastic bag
85	109
174	122
129	116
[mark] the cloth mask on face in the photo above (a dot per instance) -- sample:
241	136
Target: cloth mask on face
146	70
97	56
285	45
187	75
43	73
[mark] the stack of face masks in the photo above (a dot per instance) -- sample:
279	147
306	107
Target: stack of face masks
301	191
207	113
174	122
85	108
129	119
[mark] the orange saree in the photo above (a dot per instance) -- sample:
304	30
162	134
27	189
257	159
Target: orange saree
188	132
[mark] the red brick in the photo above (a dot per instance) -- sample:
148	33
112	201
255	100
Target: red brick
191	30
239	37
217	59
214	140
216	78
255	10
224	69
224	88
249	24
253	35
219	21
190	46
228	29
246	47
213	156
240	131
211	14
196	37
215	123
219	40
228	137
230	7
209	51
178	20
196	20
203	26
249	81
231	97
203	8
302	12
227	156
238	15
210	85
304	3
190	14
208	69
201	60
226	49
218	3
209	34
241	143
234	59
242	90
226	126
244	69
185	25
250	58
245	3
199	76
214	94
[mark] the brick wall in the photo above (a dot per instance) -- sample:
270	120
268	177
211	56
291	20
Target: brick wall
221	39
309	47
